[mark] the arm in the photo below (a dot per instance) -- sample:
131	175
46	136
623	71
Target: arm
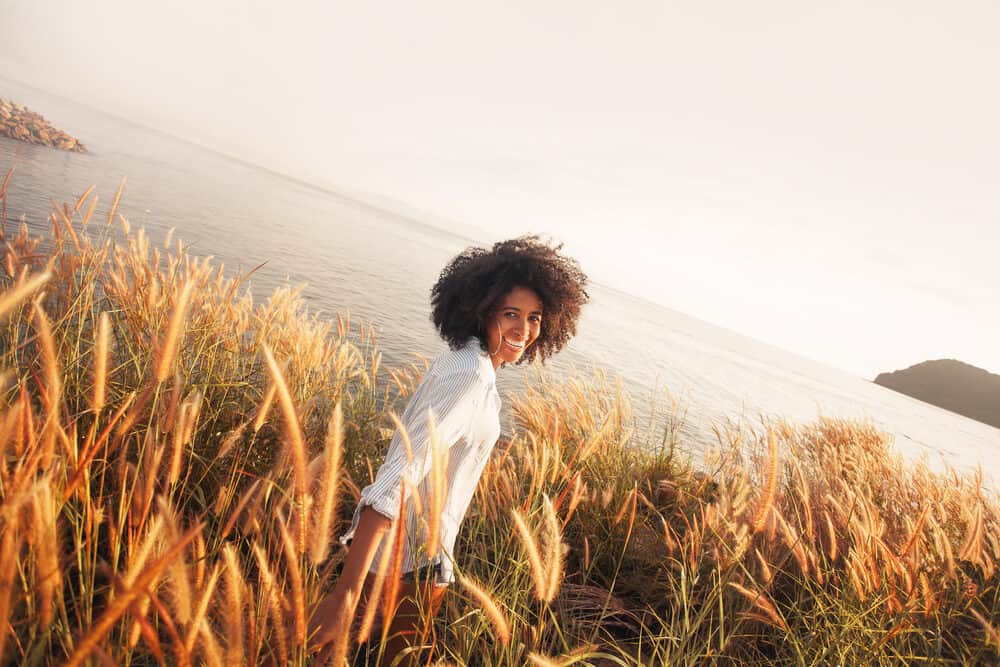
450	398
446	396
332	609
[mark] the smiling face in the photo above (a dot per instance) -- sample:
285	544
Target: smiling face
514	325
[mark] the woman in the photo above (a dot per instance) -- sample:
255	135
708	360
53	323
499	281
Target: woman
518	301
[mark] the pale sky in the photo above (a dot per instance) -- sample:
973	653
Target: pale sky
824	177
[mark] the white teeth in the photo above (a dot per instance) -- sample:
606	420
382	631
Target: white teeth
516	346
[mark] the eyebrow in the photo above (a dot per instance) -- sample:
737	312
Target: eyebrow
533	312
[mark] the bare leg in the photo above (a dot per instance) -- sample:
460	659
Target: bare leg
412	623
333	611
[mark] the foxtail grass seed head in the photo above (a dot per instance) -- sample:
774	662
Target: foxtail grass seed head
21	291
343	639
552	540
991	632
390	598
101	345
770	484
328	486
97	631
115	202
234	613
530	544
271	593
48	574
168	348
763	603
501	629
296	445
539	660
439	481
265	407
375	593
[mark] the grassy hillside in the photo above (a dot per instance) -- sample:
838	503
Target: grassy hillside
178	459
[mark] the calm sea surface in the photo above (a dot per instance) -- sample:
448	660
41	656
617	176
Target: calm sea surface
380	266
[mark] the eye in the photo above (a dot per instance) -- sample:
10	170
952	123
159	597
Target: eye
535	319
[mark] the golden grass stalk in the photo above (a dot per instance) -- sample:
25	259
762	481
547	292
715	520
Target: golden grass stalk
271	594
89	212
265	407
234	615
538	573
209	644
245	498
552	541
439	489
202	609
915	533
295	577
831	536
177	450
53	379
180	582
296	444
328	487
991	632
927	592
49	574
164	616
973	545
375	593
762	602
766	575
344	635
626	504
168	349
82	198
770	484
539	660
391	597
3	198
490	608
794	542
804	496
403	435
24	289
101	345
115	201
10	544
125	598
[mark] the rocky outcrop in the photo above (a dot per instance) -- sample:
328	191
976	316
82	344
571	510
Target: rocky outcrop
18	122
951	385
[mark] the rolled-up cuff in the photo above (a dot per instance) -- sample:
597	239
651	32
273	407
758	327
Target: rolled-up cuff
386	505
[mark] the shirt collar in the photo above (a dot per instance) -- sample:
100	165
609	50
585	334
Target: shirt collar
484	358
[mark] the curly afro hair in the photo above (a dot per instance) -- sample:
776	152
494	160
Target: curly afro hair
472	284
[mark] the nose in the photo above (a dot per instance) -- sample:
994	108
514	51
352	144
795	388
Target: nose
518	329
523	327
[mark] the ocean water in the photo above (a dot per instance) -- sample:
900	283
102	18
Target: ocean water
379	266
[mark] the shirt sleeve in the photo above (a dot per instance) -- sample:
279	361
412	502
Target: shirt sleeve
451	399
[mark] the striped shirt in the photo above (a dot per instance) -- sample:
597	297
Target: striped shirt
459	389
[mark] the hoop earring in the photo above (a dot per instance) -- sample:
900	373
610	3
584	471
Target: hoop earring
500	343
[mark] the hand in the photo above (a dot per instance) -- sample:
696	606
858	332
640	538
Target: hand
323	627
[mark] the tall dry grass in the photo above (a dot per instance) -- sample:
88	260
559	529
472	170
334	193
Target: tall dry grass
176	460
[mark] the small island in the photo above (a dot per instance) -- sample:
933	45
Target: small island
19	122
952	385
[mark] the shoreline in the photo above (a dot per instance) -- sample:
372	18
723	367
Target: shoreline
21	123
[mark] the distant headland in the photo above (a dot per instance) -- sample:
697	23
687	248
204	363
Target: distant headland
19	122
952	385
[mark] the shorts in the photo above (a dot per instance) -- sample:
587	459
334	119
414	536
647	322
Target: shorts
425	573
